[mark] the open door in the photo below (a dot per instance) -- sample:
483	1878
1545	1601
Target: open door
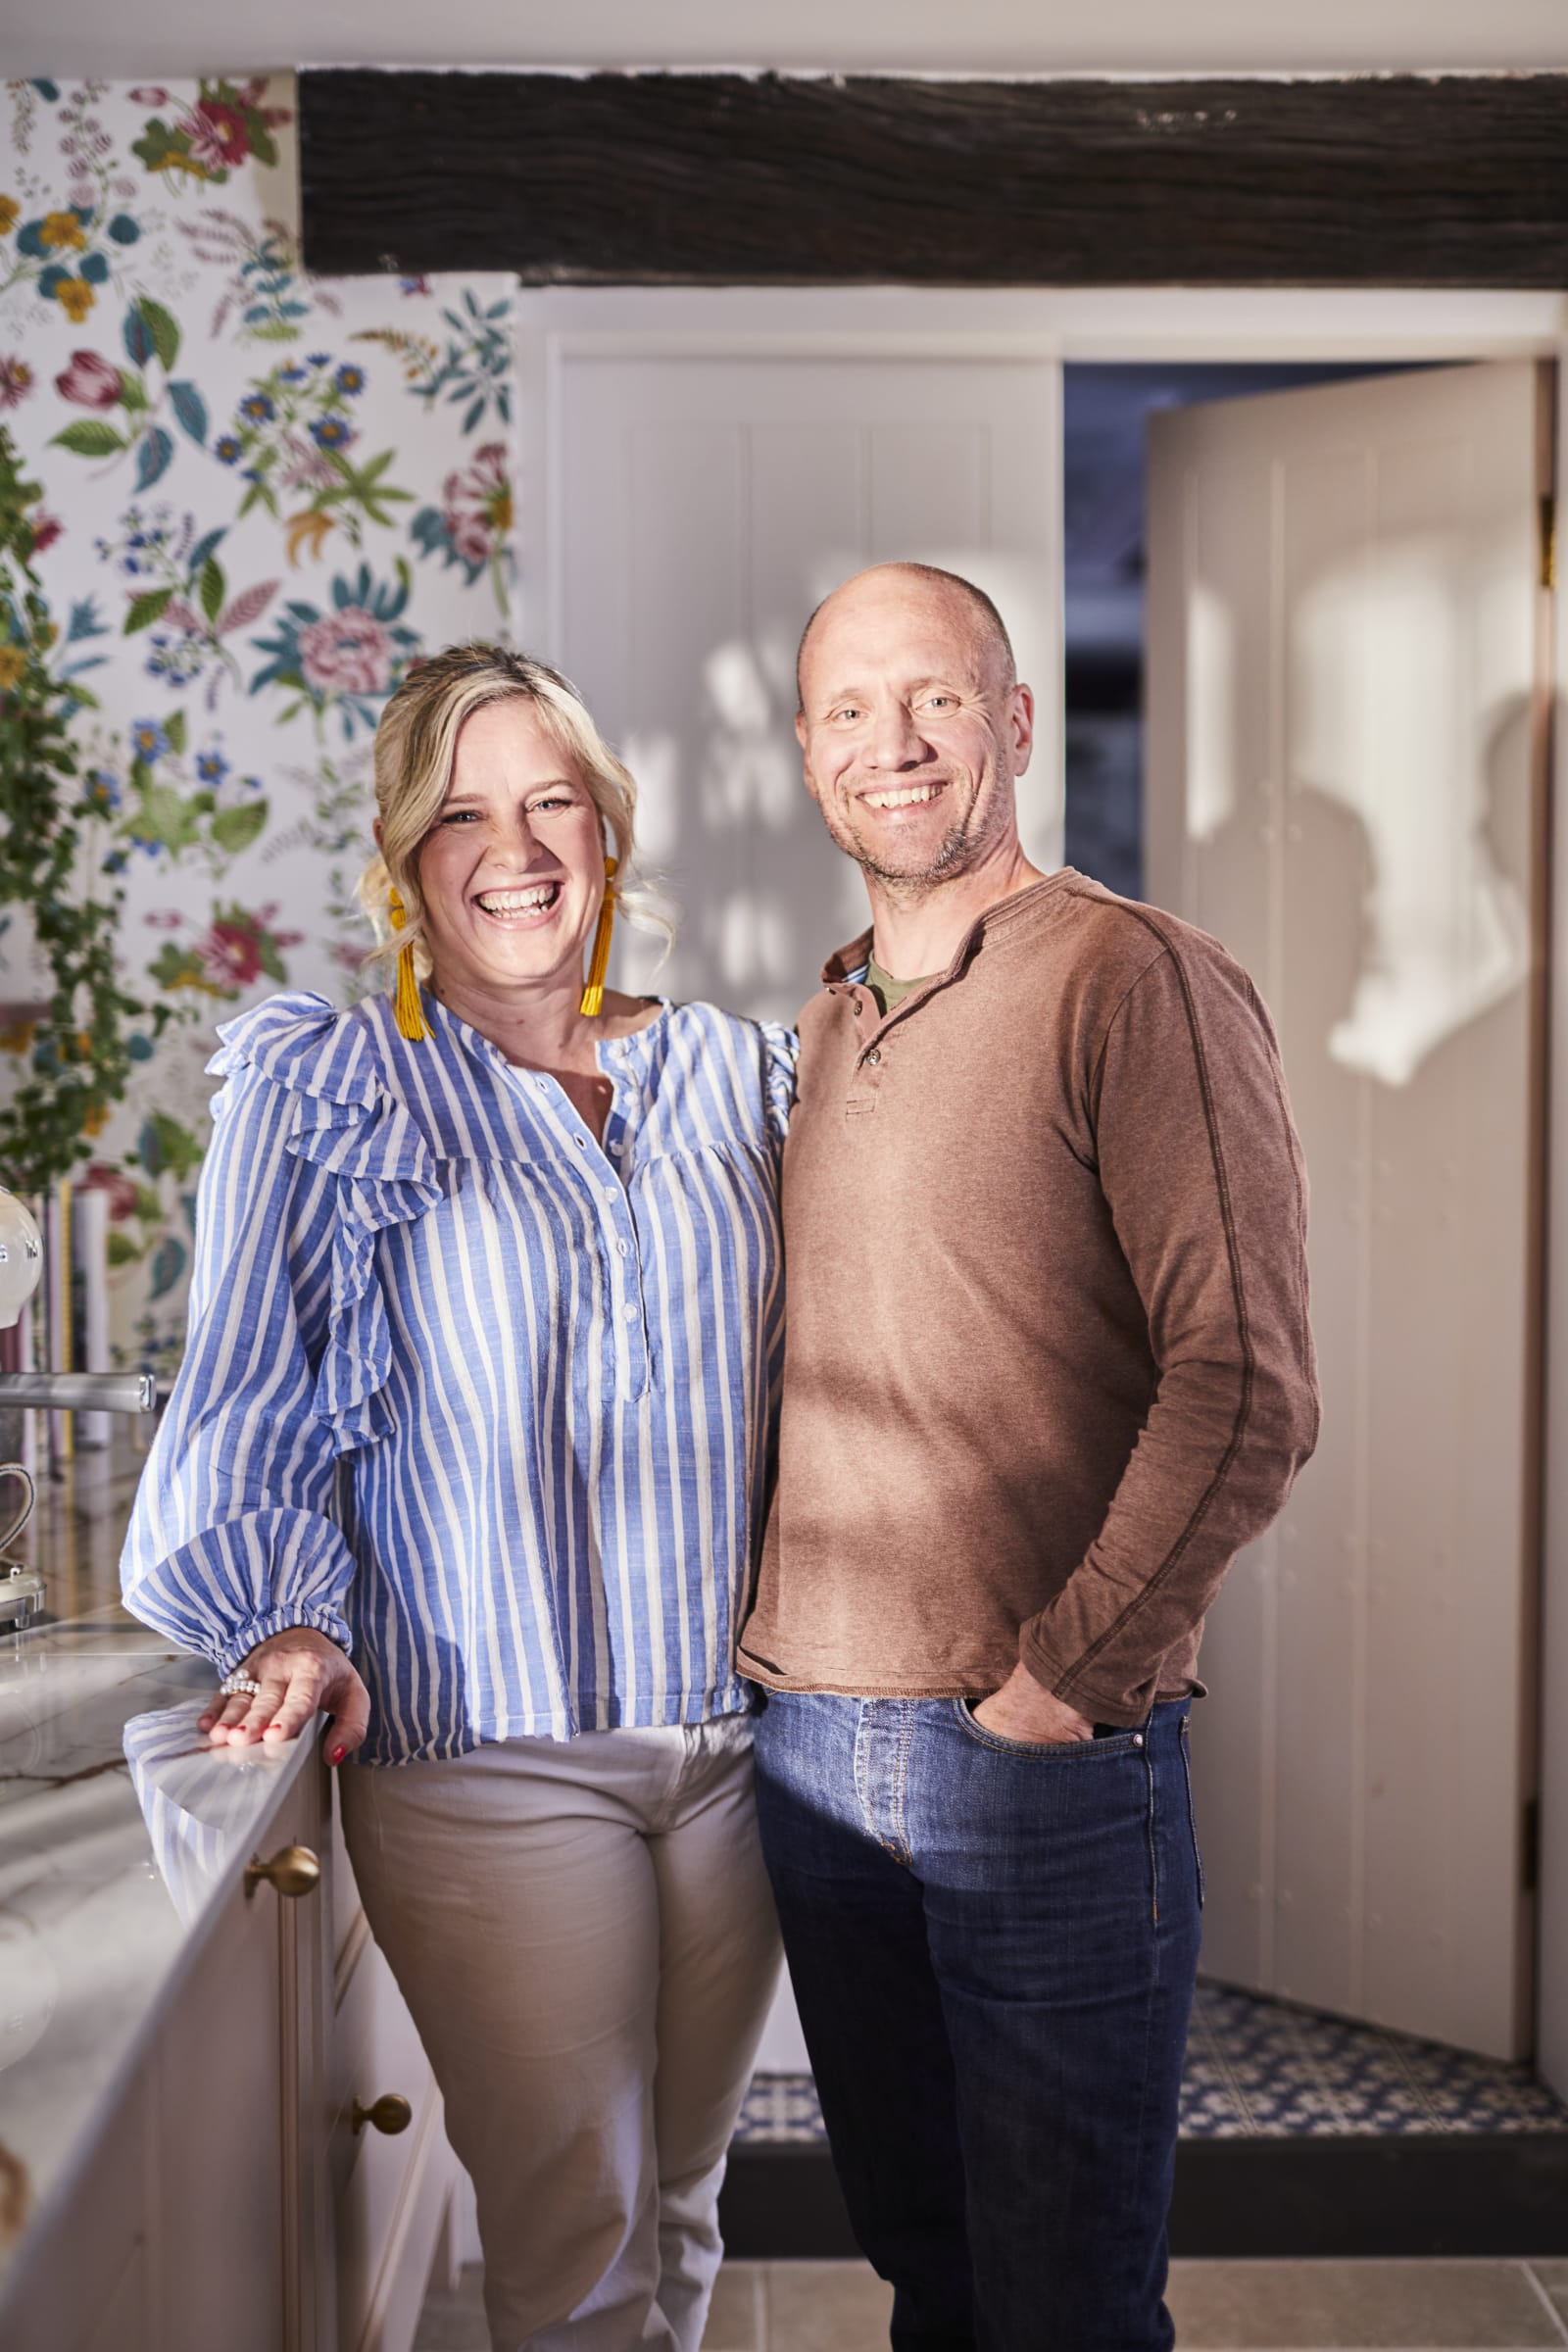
1346	730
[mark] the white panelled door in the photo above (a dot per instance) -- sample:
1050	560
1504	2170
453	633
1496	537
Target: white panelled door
1345	783
703	503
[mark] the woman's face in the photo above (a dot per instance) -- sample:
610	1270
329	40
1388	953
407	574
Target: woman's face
512	870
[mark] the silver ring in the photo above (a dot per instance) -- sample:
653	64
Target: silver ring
240	1685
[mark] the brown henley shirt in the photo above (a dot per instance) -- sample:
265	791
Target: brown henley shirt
1048	1363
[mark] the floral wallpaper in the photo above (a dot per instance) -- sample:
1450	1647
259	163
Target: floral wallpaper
263	494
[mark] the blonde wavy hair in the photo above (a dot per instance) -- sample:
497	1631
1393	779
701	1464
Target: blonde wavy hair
415	745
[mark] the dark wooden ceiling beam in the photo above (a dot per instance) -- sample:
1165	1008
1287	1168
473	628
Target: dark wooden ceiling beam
720	179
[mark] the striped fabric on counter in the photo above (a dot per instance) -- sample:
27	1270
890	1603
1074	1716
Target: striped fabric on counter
492	1402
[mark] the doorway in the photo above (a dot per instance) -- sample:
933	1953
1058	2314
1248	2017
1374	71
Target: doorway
1106	410
780	334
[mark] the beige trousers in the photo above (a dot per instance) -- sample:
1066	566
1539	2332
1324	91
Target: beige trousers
583	1931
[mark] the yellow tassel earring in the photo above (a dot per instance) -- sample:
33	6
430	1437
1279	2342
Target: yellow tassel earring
406	1006
593	996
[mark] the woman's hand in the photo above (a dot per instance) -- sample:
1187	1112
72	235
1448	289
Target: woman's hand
300	1672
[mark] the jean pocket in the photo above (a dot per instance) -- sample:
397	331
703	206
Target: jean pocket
1042	1750
1191	1812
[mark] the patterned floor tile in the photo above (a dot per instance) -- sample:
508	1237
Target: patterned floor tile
1263	2068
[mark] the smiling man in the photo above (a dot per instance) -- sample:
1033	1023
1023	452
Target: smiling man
1048	1369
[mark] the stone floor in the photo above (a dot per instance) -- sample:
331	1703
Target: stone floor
1218	2307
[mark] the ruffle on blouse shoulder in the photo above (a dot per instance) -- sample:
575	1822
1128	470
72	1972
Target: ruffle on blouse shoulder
345	1120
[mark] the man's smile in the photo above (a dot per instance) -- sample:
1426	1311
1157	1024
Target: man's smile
902	796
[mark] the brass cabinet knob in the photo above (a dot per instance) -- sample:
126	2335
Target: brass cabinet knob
390	2113
293	1871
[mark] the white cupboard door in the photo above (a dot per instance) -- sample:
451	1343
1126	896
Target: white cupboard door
1345	718
702	504
237	2092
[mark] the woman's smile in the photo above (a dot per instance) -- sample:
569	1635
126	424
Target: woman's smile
519	907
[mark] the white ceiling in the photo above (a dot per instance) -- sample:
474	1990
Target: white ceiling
137	38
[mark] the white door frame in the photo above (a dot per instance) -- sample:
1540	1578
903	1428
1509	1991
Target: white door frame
1144	324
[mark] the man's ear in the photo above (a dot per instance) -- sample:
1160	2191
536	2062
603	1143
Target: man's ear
1022	721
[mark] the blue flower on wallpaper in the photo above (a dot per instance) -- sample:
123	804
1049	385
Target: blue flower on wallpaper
148	739
187	606
174	659
347	658
350	380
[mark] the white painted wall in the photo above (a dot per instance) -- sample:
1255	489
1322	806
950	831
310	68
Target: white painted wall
104	37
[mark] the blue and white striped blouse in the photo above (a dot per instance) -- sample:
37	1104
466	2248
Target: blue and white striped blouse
490	1403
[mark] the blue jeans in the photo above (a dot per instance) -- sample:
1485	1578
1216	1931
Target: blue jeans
992	1946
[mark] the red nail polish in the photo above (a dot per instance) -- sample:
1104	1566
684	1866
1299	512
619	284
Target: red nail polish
338	1754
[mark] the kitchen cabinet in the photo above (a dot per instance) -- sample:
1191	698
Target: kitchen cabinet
189	2143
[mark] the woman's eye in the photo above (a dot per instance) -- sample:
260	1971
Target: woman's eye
561	799
459	816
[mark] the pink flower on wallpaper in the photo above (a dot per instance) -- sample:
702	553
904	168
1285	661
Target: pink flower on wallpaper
239	951
218	134
46	530
476	505
149	93
16	381
347	652
90	381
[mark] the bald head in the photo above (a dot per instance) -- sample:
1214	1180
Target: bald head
926	586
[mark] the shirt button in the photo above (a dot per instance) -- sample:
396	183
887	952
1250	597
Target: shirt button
612	1192
625	1247
875	1053
629	1312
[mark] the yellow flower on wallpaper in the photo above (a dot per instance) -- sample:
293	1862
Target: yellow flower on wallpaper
63	232
9	211
13	666
76	298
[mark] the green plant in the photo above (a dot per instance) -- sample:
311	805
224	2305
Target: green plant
77	1057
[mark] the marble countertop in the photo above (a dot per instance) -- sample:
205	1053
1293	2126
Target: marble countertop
120	1834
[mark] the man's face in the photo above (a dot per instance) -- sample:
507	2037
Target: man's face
910	729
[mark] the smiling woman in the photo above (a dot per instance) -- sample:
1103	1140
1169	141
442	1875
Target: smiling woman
487	1334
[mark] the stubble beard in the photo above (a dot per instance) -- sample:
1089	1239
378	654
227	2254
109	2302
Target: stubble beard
959	849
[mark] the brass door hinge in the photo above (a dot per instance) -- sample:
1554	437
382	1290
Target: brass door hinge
1548	540
1529	1846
